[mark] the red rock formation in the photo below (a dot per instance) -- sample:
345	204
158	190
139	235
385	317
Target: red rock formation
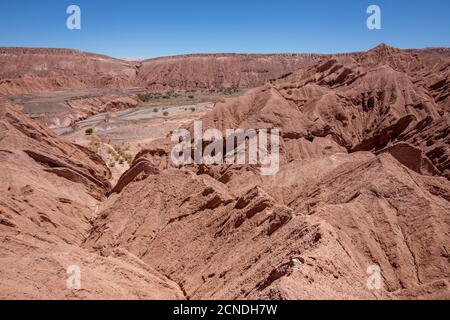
361	102
50	192
327	215
218	71
26	70
238	243
363	181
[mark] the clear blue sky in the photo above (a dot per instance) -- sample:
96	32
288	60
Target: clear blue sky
148	28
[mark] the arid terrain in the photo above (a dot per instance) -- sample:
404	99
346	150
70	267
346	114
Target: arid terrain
26	70
88	181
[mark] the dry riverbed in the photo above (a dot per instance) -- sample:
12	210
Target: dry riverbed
118	136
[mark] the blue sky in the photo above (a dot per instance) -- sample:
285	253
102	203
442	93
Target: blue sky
148	28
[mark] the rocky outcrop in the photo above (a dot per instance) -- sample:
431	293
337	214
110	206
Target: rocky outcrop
362	186
26	70
217	71
250	246
433	137
51	190
363	102
139	170
411	157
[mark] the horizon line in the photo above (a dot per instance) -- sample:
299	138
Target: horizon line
193	54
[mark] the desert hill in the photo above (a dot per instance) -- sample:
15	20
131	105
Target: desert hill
361	104
363	181
51	190
219	70
27	70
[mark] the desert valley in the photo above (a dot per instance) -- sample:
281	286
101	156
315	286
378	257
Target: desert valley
88	181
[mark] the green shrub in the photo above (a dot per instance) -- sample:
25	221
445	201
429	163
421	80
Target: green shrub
88	131
146	97
230	91
165	114
143	97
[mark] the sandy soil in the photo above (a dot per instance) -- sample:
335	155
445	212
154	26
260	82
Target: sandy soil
130	131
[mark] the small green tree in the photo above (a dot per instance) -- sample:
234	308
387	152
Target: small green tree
165	114
88	131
